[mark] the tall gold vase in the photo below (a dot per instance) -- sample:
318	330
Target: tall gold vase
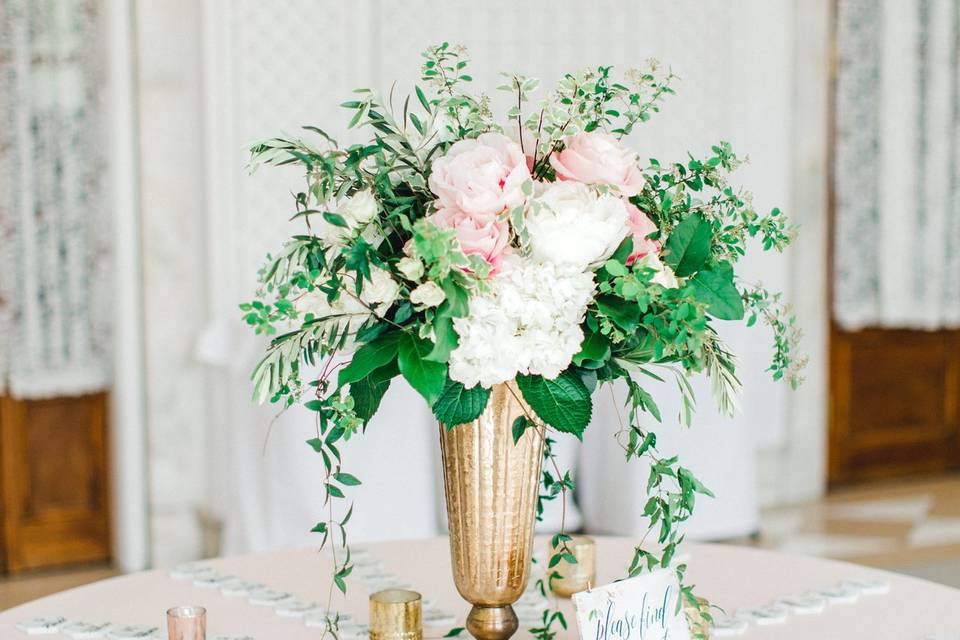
491	487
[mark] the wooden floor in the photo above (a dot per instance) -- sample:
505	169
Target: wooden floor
16	590
909	527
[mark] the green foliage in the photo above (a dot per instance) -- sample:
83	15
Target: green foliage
714	287
688	247
459	405
563	403
426	376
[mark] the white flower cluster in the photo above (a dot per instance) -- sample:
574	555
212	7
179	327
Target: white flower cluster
528	322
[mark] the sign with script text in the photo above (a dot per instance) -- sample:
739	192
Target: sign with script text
640	608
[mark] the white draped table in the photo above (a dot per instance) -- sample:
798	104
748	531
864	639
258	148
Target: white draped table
730	577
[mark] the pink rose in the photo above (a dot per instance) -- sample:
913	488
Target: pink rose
640	227
485	236
481	177
597	158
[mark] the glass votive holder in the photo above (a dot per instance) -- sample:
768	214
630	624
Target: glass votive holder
580	576
395	614
187	623
697	623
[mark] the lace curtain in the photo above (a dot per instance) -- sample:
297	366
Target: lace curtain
54	221
897	171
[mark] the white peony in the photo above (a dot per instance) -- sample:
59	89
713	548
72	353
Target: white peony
572	224
411	268
429	294
528	322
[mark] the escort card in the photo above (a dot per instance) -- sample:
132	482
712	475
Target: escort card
640	608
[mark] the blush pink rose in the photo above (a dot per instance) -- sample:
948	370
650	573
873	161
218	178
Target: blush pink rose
481	176
484	236
598	158
640	227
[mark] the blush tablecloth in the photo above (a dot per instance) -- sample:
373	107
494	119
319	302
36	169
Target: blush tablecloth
730	577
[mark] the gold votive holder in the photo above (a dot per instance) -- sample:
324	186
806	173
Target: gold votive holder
698	624
395	614
187	623
580	576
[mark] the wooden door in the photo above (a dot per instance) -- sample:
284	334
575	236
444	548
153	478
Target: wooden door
53	463
895	403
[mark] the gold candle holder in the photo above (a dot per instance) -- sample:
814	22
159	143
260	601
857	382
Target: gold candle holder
580	576
187	623
395	614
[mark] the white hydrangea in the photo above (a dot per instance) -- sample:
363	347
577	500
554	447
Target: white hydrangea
528	322
571	223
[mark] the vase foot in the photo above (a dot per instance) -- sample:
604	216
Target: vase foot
492	623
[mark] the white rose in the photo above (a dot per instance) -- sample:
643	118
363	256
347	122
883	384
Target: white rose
381	290
358	209
429	294
664	274
411	268
571	224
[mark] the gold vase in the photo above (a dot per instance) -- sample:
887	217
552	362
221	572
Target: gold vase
491	486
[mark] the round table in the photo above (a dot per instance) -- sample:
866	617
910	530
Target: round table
730	577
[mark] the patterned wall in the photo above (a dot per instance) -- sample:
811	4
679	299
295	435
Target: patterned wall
54	219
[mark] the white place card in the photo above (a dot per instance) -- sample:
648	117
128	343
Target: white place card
640	608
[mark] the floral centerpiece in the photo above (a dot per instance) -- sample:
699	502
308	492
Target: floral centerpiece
530	259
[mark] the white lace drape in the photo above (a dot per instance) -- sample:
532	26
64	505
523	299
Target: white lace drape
54	221
897	175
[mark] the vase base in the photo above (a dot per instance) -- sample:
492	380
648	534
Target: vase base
492	623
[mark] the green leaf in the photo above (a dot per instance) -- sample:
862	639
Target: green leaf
422	98
563	403
623	251
625	314
459	405
369	357
369	391
427	377
715	288
453	633
346	479
335	219
320	527
519	427
594	351
689	245
446	339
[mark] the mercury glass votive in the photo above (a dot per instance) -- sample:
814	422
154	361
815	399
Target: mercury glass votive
395	614
580	576
187	623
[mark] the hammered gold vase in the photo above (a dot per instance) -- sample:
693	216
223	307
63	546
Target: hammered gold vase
491	486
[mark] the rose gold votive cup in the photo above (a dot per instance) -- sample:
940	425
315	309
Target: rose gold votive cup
395	614
580	576
187	623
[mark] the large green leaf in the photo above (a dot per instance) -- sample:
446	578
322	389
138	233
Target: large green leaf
368	391
563	403
715	288
370	356
458	405
689	245
427	377
594	351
